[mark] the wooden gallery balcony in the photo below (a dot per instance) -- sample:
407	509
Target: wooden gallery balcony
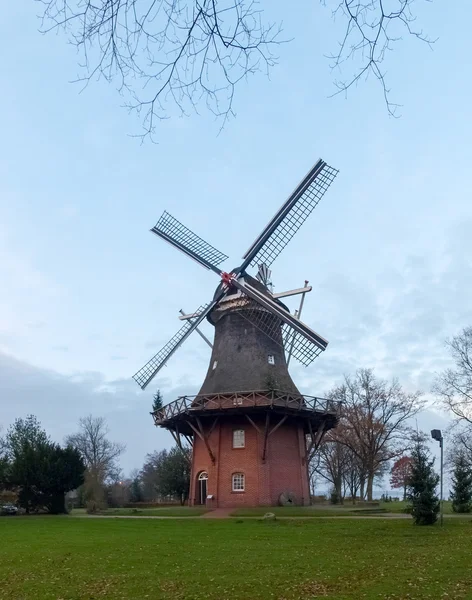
315	412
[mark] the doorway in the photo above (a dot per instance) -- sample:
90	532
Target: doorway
202	487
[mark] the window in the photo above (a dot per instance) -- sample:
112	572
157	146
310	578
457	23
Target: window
215	364
238	482
238	438
271	359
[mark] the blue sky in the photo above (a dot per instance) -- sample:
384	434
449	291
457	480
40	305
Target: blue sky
89	294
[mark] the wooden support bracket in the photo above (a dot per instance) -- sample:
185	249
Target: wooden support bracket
213	426
178	441
189	439
319	435
201	434
268	431
266	435
315	437
282	420
308	450
253	424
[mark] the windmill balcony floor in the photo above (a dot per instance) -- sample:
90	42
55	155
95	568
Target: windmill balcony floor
175	414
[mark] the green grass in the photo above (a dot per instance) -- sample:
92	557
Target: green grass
327	510
311	511
172	511
54	558
400	507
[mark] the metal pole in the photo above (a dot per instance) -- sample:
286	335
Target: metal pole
198	331
298	314
442	472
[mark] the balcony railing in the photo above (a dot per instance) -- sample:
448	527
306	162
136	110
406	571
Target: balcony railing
274	399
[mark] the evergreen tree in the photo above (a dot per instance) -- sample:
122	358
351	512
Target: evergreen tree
422	487
136	491
62	471
157	401
25	442
461	495
174	474
41	471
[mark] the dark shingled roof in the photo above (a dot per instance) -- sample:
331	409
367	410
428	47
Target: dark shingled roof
240	356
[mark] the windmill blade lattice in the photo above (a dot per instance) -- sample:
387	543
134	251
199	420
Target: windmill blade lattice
291	216
304	350
281	313
144	376
185	240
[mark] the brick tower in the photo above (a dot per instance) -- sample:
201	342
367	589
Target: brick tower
251	429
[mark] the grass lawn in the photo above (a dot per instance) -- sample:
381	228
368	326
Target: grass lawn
169	511
327	510
400	507
310	511
64	558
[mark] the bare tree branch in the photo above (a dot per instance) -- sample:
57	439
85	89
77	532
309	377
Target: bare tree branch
172	56
99	453
453	387
372	27
167	53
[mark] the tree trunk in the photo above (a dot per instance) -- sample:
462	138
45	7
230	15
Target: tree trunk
362	489
404	492
370	487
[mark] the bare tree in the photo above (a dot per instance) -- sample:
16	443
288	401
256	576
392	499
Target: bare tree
99	453
453	387
459	445
354	477
336	463
187	54
374	421
330	463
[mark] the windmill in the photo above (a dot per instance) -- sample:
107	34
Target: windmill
248	379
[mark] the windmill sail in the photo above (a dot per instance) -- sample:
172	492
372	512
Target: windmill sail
290	217
285	329
175	233
276	309
144	376
302	349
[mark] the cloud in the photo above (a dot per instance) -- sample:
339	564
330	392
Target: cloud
59	401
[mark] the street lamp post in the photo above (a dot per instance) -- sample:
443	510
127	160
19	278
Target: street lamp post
436	434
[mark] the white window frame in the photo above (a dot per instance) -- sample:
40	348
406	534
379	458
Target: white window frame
239	438
238	482
271	359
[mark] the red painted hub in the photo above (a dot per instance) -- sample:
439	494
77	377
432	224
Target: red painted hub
227	278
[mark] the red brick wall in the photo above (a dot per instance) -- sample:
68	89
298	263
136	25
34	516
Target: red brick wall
283	470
